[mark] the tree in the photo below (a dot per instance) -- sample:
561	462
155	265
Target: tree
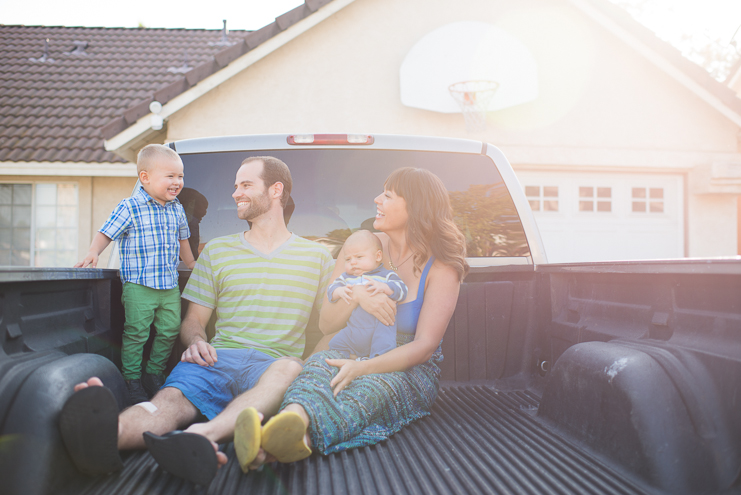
702	30
489	221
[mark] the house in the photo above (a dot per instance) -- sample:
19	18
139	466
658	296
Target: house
58	87
625	149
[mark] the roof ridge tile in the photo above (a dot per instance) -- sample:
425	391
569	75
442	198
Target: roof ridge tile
293	16
165	94
262	35
137	111
228	55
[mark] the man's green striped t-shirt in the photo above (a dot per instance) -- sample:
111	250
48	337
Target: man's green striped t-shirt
262	301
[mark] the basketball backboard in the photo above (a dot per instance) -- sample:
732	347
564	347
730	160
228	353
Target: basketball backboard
462	51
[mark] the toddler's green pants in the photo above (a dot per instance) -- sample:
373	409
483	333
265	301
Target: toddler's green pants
142	306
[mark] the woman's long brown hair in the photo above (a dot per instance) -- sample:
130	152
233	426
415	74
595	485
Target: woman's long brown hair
430	228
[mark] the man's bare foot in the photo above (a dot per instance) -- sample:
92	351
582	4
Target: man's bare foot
186	455
92	382
202	429
220	456
88	424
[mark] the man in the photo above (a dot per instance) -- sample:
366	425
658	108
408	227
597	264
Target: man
263	284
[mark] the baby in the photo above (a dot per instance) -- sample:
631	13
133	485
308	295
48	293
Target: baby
364	335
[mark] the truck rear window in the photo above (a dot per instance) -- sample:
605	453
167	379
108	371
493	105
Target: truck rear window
333	192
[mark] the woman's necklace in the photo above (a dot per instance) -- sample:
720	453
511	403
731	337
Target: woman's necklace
391	263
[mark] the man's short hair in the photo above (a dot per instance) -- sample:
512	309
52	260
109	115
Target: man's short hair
150	153
274	170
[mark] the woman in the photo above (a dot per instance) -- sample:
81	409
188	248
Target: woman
347	403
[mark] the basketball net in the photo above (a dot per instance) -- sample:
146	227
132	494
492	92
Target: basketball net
473	97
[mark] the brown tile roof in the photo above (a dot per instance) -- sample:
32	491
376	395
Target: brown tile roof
168	91
61	110
54	110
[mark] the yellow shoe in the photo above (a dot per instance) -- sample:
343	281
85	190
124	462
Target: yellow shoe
247	437
284	437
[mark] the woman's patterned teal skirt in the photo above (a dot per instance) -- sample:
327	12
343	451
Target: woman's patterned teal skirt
370	409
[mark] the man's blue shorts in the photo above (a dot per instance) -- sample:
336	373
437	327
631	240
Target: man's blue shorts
212	388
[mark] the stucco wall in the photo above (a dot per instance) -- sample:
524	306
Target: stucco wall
85	200
106	194
711	232
602	104
343	75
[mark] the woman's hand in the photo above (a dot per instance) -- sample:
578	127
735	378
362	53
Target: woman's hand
378	305
349	370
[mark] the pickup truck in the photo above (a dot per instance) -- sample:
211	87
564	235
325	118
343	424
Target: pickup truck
600	378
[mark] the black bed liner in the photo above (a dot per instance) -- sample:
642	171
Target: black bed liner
478	440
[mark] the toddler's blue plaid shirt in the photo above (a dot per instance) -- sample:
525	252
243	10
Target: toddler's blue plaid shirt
150	235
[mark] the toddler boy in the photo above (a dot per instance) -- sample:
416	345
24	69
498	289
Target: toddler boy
364	335
154	232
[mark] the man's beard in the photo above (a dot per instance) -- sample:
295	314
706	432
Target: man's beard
258	206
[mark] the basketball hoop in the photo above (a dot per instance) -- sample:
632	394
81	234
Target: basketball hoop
473	98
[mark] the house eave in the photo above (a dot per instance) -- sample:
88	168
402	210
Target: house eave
68	169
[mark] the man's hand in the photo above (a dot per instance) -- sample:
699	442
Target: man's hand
349	370
376	287
344	293
201	353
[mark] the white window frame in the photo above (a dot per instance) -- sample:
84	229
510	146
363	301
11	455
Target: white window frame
541	198
34	227
595	199
647	200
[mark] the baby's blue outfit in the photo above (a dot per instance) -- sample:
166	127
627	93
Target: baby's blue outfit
364	335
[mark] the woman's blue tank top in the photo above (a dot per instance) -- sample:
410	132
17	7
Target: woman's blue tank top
407	314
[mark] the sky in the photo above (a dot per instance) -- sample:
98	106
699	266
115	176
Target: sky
240	14
671	18
699	28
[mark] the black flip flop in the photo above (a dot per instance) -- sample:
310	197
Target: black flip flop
89	427
185	455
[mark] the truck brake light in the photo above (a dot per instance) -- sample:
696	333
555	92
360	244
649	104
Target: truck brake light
338	139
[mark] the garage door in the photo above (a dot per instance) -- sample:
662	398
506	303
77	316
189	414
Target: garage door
595	216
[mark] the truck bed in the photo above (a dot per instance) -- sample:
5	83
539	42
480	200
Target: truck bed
608	377
479	439
643	396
